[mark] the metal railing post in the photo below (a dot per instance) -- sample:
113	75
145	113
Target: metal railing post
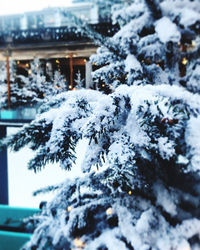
3	170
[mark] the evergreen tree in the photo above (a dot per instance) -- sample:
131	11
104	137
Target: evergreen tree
141	184
16	87
40	88
3	86
60	82
29	90
79	81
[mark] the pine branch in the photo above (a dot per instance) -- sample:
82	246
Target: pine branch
155	9
96	37
46	189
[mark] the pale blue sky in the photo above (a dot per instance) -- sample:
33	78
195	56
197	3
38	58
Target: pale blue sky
20	6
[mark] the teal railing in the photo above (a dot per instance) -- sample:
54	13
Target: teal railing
12	231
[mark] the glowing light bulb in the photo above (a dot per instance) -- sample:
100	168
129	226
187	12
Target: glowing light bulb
96	170
69	209
130	192
184	61
79	243
193	43
109	211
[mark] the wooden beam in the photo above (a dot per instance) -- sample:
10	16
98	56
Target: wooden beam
49	52
8	78
71	70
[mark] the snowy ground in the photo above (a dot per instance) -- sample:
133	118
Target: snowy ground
22	182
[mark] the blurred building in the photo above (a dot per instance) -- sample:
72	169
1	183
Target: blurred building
49	36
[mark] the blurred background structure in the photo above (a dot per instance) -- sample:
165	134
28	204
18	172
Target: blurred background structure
41	53
48	36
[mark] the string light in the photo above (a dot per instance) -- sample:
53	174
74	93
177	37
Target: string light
27	65
130	192
79	243
18	62
57	61
57	87
85	60
184	61
96	170
193	43
69	209
29	71
109	211
103	85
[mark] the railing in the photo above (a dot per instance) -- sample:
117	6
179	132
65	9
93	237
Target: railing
13	234
11	118
22	114
44	35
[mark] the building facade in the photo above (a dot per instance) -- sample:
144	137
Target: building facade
50	36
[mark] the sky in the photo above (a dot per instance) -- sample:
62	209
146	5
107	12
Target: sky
20	6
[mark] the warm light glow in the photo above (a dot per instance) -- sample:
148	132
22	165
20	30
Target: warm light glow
69	209
184	61
85	60
130	192
29	71
158	65
109	211
27	65
103	85
79	243
18	62
70	87
193	43
96	170
57	87
57	61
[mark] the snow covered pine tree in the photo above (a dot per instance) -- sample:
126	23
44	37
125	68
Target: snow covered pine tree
143	139
29	90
